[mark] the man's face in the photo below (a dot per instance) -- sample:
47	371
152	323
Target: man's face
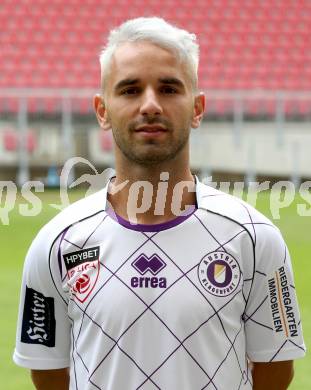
149	104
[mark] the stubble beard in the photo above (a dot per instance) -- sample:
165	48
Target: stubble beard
151	153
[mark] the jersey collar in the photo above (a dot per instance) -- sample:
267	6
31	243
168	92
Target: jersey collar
203	191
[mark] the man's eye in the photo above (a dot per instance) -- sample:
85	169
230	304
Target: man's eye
130	91
168	90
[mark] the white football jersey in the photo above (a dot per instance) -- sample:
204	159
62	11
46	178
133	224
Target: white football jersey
174	306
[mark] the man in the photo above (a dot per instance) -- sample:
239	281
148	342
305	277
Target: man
157	281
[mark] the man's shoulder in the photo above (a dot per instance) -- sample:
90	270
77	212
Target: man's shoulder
231	207
75	212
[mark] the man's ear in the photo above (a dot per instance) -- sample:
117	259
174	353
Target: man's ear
101	112
198	110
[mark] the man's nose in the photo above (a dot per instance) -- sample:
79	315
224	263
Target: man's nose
150	103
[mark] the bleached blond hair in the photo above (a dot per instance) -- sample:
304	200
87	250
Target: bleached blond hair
158	31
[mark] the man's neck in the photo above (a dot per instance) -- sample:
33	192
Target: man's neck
152	195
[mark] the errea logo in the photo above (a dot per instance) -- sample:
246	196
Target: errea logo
153	265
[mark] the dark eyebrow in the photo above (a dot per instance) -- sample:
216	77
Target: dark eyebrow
172	81
125	83
164	80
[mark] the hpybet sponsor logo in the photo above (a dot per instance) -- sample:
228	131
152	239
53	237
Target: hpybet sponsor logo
148	265
82	271
38	325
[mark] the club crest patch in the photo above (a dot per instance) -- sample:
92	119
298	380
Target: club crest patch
82	271
219	273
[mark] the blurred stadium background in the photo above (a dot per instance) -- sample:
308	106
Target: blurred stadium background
255	69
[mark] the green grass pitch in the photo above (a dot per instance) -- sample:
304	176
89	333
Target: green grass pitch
16	237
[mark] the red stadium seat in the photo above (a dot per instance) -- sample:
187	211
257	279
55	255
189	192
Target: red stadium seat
11	140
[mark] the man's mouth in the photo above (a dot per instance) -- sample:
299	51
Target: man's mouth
151	129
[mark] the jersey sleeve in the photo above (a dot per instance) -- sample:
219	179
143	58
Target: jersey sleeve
43	329
272	320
